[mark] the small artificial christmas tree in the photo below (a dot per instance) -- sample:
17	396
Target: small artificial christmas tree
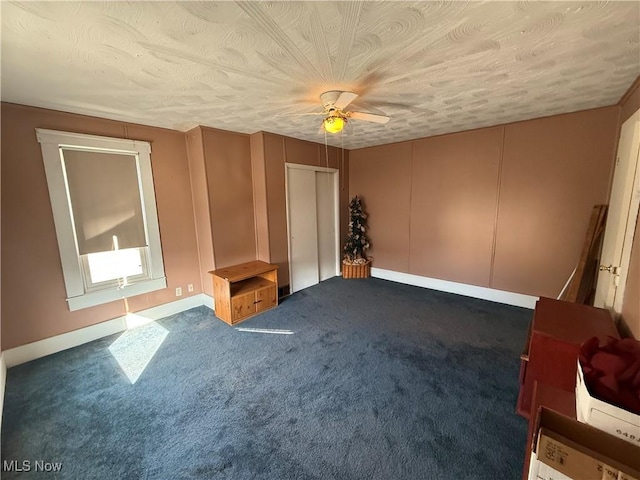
357	240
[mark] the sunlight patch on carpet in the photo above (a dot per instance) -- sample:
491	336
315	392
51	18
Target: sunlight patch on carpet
135	348
135	320
265	330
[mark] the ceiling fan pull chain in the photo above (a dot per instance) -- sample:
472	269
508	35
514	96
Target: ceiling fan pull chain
326	150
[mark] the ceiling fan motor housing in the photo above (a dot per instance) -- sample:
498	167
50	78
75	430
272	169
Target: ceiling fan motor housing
335	102
329	98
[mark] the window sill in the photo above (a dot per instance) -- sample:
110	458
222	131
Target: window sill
92	299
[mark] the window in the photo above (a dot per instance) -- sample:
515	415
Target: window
104	209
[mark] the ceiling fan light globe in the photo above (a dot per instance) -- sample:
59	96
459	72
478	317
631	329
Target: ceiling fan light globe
333	124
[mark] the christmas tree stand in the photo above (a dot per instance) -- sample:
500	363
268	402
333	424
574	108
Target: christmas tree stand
356	270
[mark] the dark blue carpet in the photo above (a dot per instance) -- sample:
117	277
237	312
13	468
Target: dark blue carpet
378	381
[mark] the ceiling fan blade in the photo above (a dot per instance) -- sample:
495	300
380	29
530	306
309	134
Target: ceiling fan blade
298	114
371	106
369	117
345	99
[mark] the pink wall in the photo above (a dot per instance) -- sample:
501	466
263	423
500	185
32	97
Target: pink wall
34	299
269	153
223	204
276	205
504	207
555	170
227	157
260	200
454	200
381	176
630	101
201	210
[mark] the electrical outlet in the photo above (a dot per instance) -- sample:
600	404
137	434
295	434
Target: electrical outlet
190	287
178	291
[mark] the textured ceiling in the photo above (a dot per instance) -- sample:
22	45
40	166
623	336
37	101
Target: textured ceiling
433	67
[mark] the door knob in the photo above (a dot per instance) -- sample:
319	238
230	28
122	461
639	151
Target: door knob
610	269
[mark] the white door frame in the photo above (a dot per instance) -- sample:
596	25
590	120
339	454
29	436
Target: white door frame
624	243
327	228
336	194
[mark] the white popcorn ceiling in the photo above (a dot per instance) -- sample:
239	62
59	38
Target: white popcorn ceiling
433	67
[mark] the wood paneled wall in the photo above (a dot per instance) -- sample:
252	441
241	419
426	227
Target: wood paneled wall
555	170
223	203
503	207
228	164
454	199
201	210
381	176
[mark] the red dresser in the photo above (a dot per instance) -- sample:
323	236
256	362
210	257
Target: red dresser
550	355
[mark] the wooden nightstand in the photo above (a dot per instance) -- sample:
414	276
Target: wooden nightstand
242	291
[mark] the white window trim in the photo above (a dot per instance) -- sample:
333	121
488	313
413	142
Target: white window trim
50	142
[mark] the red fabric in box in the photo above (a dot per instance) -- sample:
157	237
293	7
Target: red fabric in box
612	371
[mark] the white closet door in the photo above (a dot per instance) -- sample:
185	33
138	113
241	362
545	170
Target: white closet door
326	215
622	215
303	231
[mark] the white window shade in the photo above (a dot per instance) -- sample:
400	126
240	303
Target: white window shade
104	191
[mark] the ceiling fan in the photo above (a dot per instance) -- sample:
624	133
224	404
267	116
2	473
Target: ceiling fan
336	117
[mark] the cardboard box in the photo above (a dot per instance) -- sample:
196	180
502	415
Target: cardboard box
576	461
614	420
542	471
566	449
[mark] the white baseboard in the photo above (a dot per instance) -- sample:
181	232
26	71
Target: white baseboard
207	301
31	351
499	296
